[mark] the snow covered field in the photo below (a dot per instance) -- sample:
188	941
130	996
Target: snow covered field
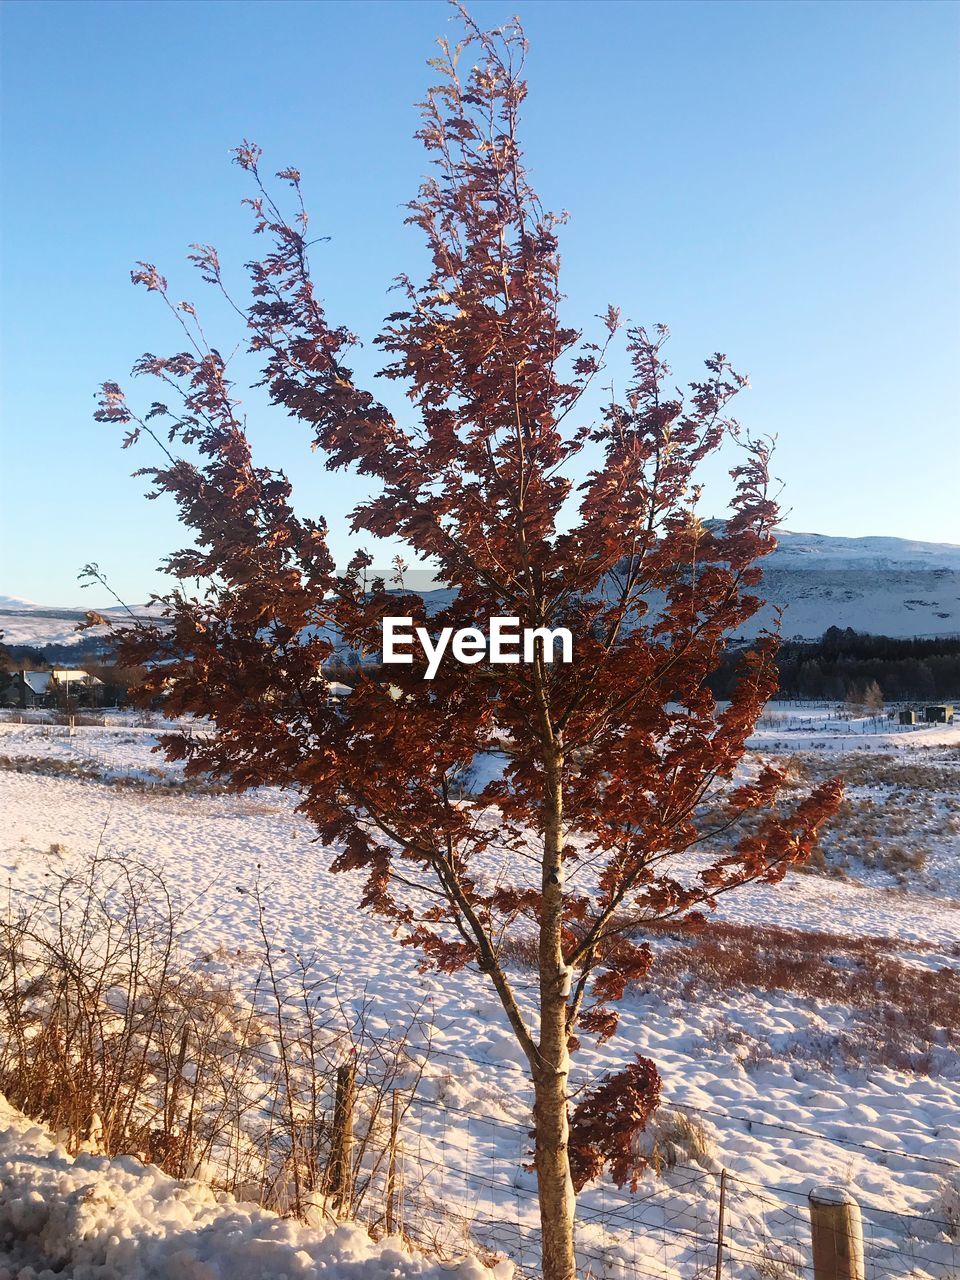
782	1087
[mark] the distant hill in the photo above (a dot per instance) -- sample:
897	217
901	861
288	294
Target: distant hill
814	551
882	586
24	623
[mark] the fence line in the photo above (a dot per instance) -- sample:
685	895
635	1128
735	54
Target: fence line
671	1226
479	1066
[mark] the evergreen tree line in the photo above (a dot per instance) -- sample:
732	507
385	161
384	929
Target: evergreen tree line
38	657
843	663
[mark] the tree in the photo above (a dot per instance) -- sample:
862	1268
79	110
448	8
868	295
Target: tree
854	701
608	759
115	682
873	698
7	668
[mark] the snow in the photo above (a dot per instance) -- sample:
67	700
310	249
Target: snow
891	602
816	551
758	1070
884	586
67	675
25	623
102	1219
785	727
17	602
831	1196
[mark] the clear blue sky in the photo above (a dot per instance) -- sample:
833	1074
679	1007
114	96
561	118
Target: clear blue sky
776	180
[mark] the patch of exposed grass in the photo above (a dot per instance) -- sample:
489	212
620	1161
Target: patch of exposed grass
864	769
908	1010
145	779
892	818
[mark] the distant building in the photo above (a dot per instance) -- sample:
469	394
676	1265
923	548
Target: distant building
908	717
941	714
44	688
71	677
27	689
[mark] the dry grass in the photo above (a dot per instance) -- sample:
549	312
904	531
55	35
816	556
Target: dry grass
908	1011
146	778
946	1205
893	836
676	1138
865	769
110	1037
902	1013
893	817
777	1261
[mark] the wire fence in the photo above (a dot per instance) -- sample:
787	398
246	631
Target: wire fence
453	1181
94	718
466	1185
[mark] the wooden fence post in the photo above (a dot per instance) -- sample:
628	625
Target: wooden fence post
171	1116
392	1164
723	1205
340	1184
837	1232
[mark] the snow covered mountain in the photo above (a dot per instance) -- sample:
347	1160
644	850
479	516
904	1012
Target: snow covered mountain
813	551
23	622
885	586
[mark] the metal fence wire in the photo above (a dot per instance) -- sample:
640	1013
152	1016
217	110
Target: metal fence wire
465	1185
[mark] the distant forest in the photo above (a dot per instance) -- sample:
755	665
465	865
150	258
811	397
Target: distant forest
843	662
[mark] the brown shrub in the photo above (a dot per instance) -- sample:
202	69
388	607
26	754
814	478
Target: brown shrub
911	1009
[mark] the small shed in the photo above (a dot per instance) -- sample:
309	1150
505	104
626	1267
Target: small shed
908	717
940	714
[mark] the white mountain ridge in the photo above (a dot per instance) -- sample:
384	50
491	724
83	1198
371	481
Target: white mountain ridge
883	586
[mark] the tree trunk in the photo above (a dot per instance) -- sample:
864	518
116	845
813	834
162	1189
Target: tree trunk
554	1183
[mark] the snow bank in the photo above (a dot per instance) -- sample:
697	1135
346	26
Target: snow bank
95	1218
